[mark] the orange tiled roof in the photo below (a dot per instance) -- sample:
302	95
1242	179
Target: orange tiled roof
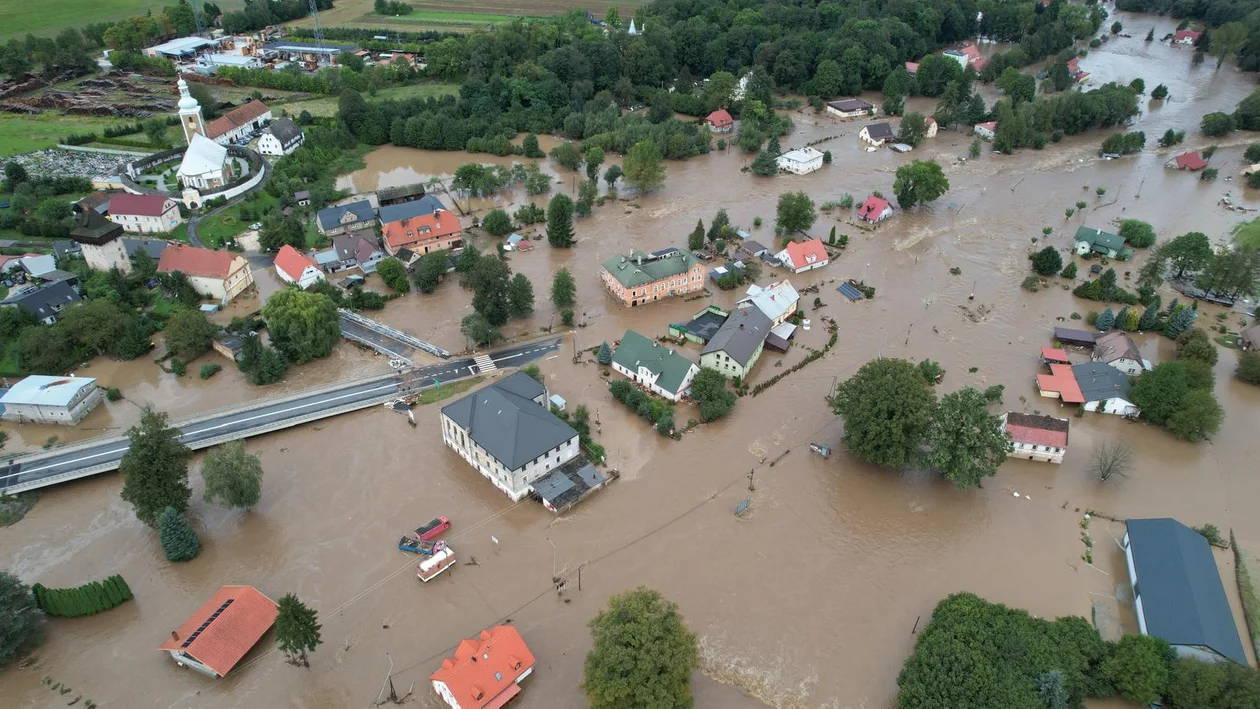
800	252
235	118
485	668
1062	381
425	227
193	261
244	616
293	262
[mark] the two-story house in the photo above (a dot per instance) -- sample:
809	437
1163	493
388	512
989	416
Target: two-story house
297	268
642	278
346	218
144	213
735	348
221	275
659	368
506	432
423	234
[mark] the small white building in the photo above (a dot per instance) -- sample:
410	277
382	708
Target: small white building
986	130
801	161
802	256
144	213
280	138
876	133
850	108
1043	438
1118	350
778	301
506	432
297	268
58	400
659	368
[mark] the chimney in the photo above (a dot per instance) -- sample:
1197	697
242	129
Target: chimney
174	635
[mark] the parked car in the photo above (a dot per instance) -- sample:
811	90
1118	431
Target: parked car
256	226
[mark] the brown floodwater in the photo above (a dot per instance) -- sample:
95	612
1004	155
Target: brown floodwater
809	600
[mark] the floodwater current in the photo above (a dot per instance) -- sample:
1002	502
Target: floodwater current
808	600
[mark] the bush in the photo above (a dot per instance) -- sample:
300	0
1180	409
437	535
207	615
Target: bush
179	541
209	370
1047	262
178	366
1069	271
1138	668
1248	369
113	394
89	599
932	372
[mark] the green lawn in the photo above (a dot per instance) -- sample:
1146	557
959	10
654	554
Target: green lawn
47	17
8	361
442	17
24	133
327	105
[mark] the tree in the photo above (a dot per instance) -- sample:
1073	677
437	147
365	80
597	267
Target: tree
1193	684
1138	667
1020	87
1248	369
233	476
1216	124
154	468
643	654
795	212
478	329
1198	416
23	626
913	128
1047	262
1178	322
612	174
179	541
965	442
497	222
604	355
560	221
430	270
1116	27
279	231
1138	85
695	241
1106	321
919	182
490	281
563	289
530	147
261	364
1150	316
709	389
1160	92
594	158
95	324
887	410
394	274
1150	35
1171	137
643	167
567	155
1137	233
1111	459
1069	271
765	165
15	173
1195	344
719	226
1189	252
1226	40
188	334
520	295
1159	392
303	326
297	630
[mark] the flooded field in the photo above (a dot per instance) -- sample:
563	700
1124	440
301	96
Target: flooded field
809	600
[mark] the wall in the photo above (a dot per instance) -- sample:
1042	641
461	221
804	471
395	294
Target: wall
107	256
1045	454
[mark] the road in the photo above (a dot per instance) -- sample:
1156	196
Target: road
43	469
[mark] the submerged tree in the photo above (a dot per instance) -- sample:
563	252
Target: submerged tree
643	654
154	468
887	409
297	631
233	476
965	442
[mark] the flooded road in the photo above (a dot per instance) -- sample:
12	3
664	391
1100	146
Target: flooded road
809	599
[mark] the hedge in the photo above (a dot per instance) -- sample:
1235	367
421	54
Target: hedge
88	599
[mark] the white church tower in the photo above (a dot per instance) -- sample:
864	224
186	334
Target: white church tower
633	31
190	113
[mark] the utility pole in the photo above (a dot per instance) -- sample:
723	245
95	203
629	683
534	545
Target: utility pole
317	30
751	486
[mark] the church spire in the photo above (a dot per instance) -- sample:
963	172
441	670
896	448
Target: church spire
190	113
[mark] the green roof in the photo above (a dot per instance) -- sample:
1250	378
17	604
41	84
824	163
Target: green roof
639	268
1111	242
637	351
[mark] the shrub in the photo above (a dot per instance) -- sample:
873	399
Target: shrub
209	370
89	599
178	367
113	394
179	541
1069	271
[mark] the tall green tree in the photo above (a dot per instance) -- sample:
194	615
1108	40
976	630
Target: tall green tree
430	270
594	158
1189	252
1226	40
913	128
21	621
520	295
297	630
965	442
643	654
563	289
560	221
179	541
643	167
303	326
720	224
233	476
490	281
1159	392
98	325
919	182
154	468
1047	262
497	222
709	389
695	241
795	212
188	333
478	330
1138	668
887	410
394	274
1198	416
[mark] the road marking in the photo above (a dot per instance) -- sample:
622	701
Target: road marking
391	385
485	363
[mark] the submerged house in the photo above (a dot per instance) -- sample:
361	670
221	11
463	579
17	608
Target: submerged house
486	671
1043	438
1093	241
215	637
659	368
1118	350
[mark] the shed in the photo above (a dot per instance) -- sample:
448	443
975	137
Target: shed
557	402
1052	355
1075	338
219	633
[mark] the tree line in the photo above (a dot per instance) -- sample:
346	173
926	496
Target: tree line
89	599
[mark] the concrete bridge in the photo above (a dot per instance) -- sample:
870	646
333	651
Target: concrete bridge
390	342
103	454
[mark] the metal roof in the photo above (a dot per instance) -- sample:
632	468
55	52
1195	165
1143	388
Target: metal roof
1099	381
665	362
40	301
427	204
182	46
330	217
741	335
1183	599
504	420
39	390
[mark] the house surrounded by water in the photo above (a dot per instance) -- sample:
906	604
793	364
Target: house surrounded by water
644	278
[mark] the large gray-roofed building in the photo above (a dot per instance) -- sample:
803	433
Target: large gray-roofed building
1099	381
1178	592
427	204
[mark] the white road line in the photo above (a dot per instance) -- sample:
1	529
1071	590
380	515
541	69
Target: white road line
235	422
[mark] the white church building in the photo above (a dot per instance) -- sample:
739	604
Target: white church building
205	165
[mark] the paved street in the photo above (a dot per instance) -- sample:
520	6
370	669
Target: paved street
268	417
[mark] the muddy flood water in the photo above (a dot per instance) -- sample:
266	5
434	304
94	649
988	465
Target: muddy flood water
809	599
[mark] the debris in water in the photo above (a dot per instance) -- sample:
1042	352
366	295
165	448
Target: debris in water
1016	494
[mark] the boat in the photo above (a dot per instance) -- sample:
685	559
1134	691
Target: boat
432	567
821	449
433	529
742	507
420	546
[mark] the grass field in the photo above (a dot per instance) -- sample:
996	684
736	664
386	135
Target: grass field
464	17
441	17
47	17
327	105
21	133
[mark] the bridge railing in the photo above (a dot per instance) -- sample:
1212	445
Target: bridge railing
396	334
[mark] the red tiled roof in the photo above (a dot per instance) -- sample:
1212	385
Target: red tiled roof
990	125
484	670
1035	435
141	205
1051	354
720	118
872	208
979	63
426	227
971	51
1191	35
1191	161
912	67
293	262
236	118
192	261
245	615
800	252
1062	381
1074	64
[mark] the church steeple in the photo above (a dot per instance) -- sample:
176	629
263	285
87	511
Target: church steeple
190	113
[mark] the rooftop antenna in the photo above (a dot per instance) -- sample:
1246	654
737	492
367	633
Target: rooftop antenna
319	31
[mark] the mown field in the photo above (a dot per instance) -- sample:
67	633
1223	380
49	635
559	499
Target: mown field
22	133
462	17
327	105
47	17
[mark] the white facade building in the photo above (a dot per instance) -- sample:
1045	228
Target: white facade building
144	213
205	165
58	400
801	161
1043	438
280	138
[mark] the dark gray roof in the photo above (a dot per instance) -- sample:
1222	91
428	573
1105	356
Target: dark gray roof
330	217
65	247
553	486
407	210
301	195
285	131
880	131
1071	336
1183	599
1100	381
754	247
391	194
40	301
740	335
153	247
504	419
